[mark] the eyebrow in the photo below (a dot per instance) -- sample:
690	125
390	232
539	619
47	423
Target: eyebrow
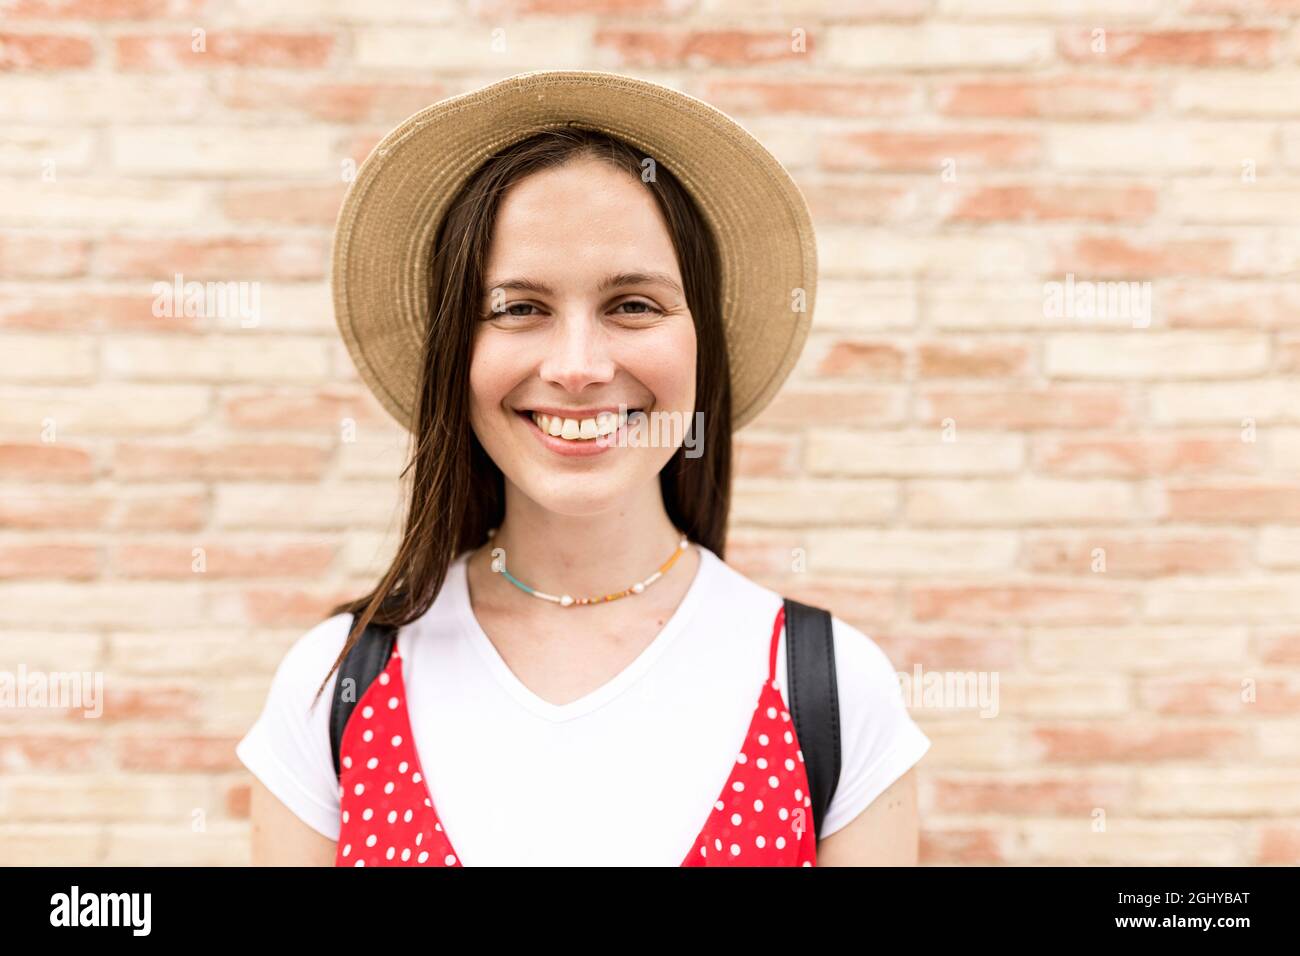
612	281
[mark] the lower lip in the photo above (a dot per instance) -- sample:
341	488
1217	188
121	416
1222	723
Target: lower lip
574	449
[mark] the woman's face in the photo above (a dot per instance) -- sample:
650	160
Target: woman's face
584	311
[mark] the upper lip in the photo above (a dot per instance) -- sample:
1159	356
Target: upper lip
577	413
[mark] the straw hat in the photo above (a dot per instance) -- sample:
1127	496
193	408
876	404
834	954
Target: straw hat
391	213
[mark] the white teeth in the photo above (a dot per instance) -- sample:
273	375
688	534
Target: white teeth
584	429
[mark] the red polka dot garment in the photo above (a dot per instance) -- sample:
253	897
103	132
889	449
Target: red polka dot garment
762	816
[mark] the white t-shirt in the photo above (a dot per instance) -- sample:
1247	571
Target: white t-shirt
626	775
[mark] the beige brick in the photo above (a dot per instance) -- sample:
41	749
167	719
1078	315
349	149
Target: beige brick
1196	201
44	358
103	798
1252	95
1135	649
1285	443
766	501
912	452
864	305
103	409
42	152
218	843
521	45
1075	695
1169	147
1020	501
51	844
846	251
1129	842
73	98
1219	791
224	151
1279	547
307	506
1069	10
253	356
101	604
1156	355
1272	599
1228	403
901	552
80	202
937	46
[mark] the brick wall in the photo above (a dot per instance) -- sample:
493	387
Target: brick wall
987	476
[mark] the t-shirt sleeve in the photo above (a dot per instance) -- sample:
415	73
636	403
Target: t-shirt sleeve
288	747
879	739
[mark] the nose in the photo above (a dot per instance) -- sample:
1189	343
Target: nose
578	352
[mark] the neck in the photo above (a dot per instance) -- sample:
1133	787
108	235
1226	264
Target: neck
588	555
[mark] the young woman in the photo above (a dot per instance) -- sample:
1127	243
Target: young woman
578	677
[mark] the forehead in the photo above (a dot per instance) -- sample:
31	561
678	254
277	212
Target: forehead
586	215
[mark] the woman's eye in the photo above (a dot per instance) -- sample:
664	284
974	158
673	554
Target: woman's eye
510	309
639	308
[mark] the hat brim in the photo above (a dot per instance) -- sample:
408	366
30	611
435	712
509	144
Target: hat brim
390	216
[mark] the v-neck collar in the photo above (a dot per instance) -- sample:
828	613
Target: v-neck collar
457	587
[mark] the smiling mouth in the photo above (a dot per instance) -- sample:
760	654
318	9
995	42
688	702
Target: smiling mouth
579	430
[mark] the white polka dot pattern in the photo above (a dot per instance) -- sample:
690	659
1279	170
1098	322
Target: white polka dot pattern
388	817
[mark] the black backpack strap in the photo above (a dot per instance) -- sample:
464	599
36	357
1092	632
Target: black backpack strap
814	700
369	656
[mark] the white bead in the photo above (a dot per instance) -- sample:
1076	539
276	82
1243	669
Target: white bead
638	588
566	600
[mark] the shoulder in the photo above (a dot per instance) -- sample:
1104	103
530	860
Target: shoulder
311	655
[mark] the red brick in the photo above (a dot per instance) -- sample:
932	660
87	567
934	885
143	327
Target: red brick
1243	503
972	358
1118	257
1277	844
1054	203
104	9
923	150
1025	602
48	752
33	512
1065	796
49	561
222	559
285	607
849	200
1139	742
309	410
812	97
178	754
31	461
1219	695
965	846
150	701
331	102
1281	649
40	51
878	361
1137	555
215	258
768	457
1071	97
1141	456
90	311
695	48
276	460
1204	48
1057	407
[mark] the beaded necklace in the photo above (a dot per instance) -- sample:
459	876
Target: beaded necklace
567	600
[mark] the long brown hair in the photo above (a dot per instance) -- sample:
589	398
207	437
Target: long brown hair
458	492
